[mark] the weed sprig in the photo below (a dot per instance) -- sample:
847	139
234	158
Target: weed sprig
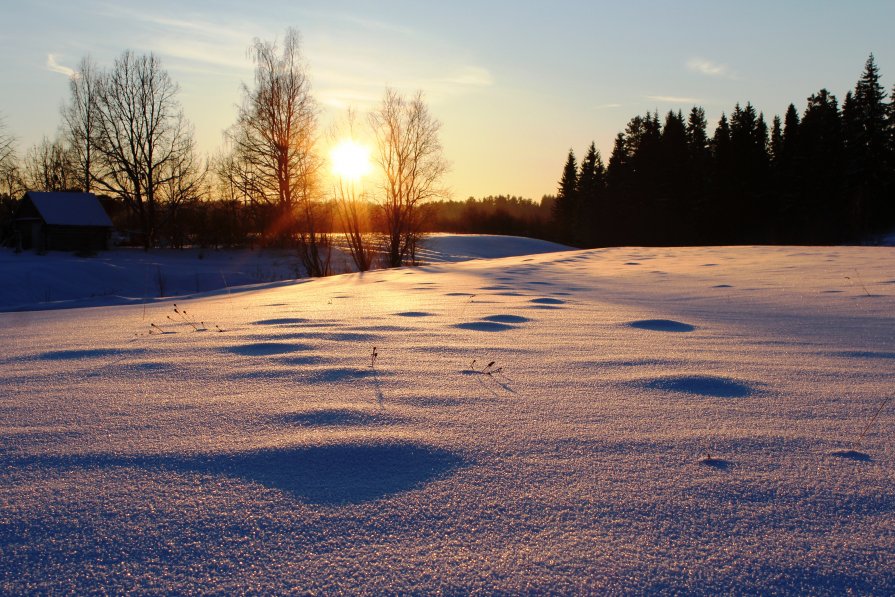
860	281
188	320
873	418
181	317
489	369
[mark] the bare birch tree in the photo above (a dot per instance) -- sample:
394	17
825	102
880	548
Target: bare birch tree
11	185
412	162
352	206
274	142
143	139
7	145
80	118
50	166
354	217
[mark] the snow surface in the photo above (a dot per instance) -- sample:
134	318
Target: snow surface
126	276
654	420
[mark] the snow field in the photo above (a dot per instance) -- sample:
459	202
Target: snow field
655	420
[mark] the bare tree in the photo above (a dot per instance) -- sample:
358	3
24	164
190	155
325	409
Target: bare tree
7	144
50	166
11	186
274	145
351	205
410	156
143	139
354	217
184	186
80	118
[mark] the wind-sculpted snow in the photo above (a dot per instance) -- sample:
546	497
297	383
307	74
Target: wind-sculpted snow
662	325
709	421
484	326
702	385
258	349
325	474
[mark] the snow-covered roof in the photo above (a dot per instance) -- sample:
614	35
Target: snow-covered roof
69	209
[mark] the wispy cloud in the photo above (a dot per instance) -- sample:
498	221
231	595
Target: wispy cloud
360	83
370	25
193	43
607	106
468	76
673	99
55	67
709	68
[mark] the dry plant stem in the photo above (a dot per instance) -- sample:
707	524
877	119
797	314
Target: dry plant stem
873	419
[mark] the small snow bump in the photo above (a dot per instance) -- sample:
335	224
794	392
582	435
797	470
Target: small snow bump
702	385
661	325
484	326
547	301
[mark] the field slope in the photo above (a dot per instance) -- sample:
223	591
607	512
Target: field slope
639	420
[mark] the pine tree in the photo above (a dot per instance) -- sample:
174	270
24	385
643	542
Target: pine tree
775	148
566	206
590	188
674	199
787	181
698	147
718	220
868	153
821	208
750	161
643	137
790	134
618	176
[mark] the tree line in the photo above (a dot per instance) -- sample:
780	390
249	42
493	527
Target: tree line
825	176
124	136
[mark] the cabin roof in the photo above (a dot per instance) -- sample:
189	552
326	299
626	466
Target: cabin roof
69	209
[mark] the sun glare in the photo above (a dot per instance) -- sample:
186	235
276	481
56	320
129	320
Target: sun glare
350	160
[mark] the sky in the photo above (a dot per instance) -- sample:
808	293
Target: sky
514	84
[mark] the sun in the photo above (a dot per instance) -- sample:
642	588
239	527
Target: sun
350	160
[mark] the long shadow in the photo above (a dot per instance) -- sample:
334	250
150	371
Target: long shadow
263	349
506	318
339	417
89	353
716	463
864	354
852	455
281	321
484	326
345	473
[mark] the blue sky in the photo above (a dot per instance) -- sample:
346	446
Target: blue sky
515	84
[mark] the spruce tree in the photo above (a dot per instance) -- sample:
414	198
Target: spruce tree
591	184
566	206
699	168
618	175
674	199
821	209
787	181
748	199
643	137
868	153
719	224
775	148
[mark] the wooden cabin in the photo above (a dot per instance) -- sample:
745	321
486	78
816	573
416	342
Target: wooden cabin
62	222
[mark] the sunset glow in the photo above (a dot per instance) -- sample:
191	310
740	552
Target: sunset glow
350	160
